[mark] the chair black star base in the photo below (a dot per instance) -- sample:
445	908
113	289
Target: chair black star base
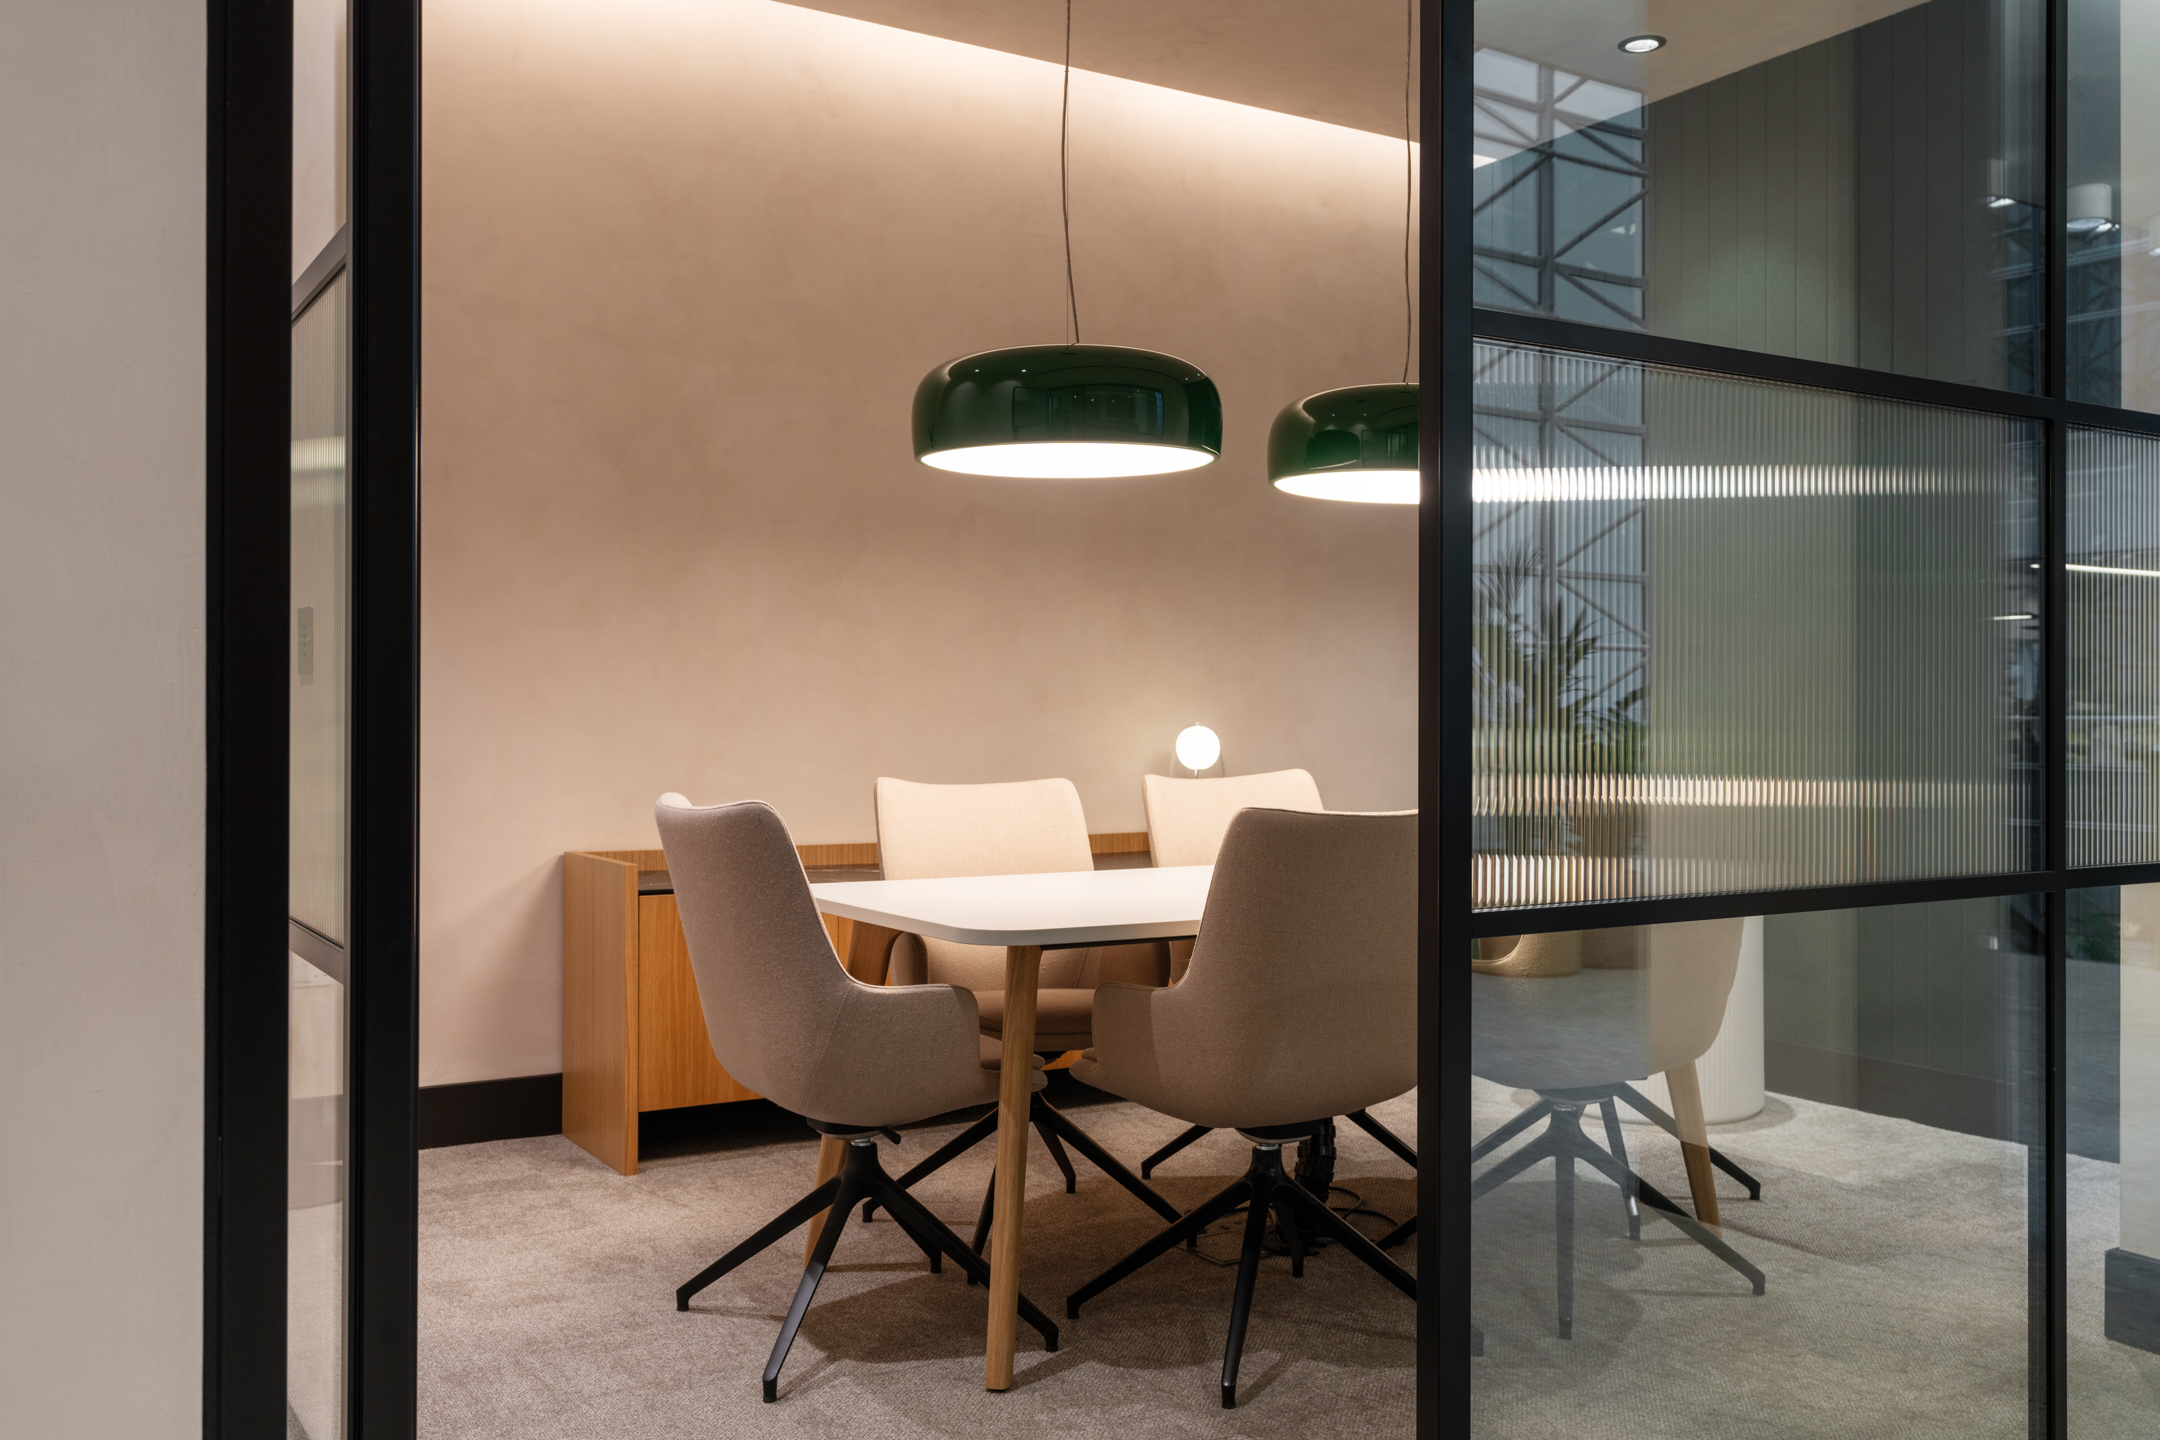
1264	1187
1358	1118
1563	1142
1604	1098
860	1175
1054	1126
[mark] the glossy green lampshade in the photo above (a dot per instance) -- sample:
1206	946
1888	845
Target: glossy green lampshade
1044	412
1357	443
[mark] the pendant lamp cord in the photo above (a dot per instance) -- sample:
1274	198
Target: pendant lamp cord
1072	300
1408	177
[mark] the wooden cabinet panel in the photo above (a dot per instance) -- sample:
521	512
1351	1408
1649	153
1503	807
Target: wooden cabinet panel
675	1057
600	919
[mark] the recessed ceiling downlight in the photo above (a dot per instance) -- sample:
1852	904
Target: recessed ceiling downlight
1642	44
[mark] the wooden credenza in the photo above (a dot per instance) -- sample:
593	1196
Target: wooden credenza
633	1029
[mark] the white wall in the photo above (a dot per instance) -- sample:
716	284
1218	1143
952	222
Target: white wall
101	700
685	264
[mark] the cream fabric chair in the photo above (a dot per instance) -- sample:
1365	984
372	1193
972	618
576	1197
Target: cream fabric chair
1577	1016
1300	1004
1028	827
788	1021
1186	822
1186	819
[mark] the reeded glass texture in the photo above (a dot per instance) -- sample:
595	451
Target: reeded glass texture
1732	635
2112	549
2113	223
2113	1168
1856	183
1873	1077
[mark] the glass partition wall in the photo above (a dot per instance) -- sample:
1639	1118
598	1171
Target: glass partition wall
1814	717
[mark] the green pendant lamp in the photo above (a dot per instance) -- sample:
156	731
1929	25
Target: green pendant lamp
1360	442
1063	412
1047	412
1357	443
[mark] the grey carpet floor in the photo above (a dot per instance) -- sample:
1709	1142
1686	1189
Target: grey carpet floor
547	1303
1896	1299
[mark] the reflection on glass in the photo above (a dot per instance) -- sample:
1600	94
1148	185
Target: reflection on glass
2113	1169
2113	224
1853	182
1732	635
1817	1224
319	110
2113	589
315	1218
317	696
318	693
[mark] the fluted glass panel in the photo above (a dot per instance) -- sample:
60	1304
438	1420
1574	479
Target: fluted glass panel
2113	587
1733	635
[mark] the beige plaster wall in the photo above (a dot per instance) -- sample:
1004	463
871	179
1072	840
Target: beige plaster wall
685	264
101	717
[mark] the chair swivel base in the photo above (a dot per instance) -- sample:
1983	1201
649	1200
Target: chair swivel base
1057	1131
1563	1142
1361	1119
1604	1098
1263	1187
861	1176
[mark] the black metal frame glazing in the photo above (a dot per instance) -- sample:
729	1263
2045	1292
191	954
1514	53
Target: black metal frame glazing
250	306
1451	326
247	372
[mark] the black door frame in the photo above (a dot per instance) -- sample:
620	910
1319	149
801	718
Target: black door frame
248	559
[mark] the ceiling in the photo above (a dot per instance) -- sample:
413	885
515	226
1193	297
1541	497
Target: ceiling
1342	61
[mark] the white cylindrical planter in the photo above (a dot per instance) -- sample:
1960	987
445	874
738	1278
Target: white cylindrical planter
1731	1070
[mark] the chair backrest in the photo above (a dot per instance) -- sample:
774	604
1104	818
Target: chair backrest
1301	999
754	936
785	1018
1186	819
1026	827
1590	1007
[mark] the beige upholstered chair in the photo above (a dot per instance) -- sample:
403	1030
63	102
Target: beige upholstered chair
1301	1004
1028	827
787	1020
1186	822
1186	819
1577	1016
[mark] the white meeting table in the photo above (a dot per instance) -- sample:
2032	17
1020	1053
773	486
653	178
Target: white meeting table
1027	914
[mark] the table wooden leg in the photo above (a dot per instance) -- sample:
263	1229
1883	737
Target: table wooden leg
830	1152
1686	1090
1016	1083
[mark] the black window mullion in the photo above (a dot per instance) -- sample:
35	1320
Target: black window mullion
1446	550
2050	1386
